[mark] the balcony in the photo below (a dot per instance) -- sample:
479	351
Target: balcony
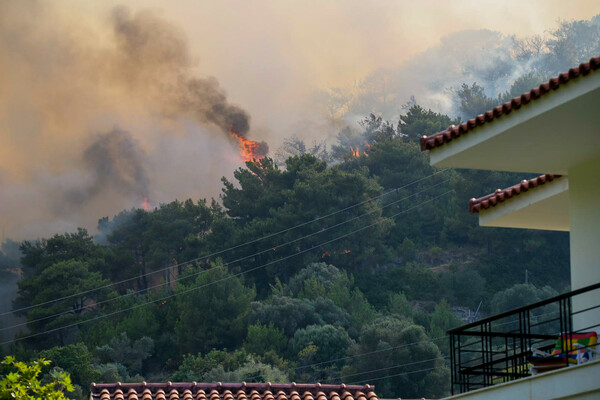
488	355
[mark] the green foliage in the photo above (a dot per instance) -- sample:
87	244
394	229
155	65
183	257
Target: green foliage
21	381
223	302
72	280
465	287
264	338
315	280
407	250
194	367
250	371
37	256
415	280
391	286
418	122
126	352
76	360
399	306
524	84
330	343
473	100
520	295
410	345
442	320
320	280
290	314
175	231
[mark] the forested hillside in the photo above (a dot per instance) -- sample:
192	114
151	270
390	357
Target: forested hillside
334	265
307	272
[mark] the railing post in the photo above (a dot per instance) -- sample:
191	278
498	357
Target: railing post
475	364
451	364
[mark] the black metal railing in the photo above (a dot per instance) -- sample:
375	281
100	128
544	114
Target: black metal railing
496	349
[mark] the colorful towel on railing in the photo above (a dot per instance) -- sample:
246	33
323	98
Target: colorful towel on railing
573	344
584	341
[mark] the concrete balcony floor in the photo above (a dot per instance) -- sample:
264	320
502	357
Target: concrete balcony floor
580	382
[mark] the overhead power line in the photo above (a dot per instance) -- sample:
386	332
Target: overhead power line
363	355
395	375
371	352
226	278
386	368
268	250
395	190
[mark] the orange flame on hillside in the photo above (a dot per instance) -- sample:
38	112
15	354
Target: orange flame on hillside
328	254
356	151
249	150
146	205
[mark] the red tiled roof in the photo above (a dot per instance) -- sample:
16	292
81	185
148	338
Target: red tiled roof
230	391
438	139
500	195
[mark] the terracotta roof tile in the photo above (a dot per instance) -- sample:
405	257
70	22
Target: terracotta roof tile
230	391
438	139
500	195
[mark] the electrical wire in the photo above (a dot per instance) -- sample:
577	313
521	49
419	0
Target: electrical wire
395	375
386	368
361	355
371	352
226	278
268	250
395	190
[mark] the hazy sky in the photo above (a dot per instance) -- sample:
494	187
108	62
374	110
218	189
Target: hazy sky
67	80
271	55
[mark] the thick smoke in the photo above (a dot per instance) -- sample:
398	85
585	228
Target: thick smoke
64	80
114	160
151	51
71	71
492	60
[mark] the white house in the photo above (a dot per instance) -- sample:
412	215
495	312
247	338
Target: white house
553	130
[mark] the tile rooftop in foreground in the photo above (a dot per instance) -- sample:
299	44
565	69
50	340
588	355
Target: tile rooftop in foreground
230	391
453	132
500	195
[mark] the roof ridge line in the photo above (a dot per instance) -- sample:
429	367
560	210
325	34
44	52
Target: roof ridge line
501	195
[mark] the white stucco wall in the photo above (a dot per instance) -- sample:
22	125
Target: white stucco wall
581	382
584	214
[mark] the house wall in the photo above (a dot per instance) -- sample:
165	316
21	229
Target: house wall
584	214
579	382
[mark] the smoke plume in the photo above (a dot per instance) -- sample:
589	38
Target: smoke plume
70	80
113	160
72	71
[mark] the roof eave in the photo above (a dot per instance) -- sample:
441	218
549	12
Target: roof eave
550	135
544	207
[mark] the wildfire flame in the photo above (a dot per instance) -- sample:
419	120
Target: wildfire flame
249	150
328	254
146	205
356	151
